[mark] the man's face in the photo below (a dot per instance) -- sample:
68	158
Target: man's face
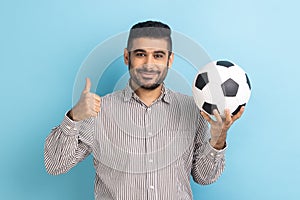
148	61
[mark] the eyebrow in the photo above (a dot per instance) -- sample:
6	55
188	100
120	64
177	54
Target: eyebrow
144	51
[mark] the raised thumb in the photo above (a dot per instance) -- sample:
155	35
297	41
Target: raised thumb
88	85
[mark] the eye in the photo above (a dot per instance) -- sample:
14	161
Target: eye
140	54
159	55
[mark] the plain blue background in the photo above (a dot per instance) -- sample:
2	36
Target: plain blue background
43	44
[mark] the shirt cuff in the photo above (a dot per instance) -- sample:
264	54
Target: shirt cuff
211	152
69	127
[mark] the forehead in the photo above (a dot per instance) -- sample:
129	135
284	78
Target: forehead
150	44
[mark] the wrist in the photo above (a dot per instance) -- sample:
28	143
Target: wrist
70	115
218	142
218	145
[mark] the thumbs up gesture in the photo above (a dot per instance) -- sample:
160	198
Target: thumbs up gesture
87	106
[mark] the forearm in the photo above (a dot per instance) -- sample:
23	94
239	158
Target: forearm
64	148
208	164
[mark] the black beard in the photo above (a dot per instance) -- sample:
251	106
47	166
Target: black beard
151	87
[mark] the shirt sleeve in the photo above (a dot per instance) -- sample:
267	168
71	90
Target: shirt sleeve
208	163
68	144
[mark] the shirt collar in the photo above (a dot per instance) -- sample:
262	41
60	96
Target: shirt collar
129	93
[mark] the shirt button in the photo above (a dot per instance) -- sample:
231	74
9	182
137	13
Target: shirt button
75	129
68	127
212	154
151	187
150	160
150	133
148	109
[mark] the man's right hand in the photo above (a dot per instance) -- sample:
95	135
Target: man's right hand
87	106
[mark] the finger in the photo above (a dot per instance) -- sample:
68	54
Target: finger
96	97
97	103
94	113
239	114
228	118
88	85
217	116
97	109
93	97
97	106
206	117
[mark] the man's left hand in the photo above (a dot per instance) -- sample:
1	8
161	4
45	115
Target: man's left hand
220	126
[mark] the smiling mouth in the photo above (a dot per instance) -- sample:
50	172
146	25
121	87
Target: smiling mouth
148	75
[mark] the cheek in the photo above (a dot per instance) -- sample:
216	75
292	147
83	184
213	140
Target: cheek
136	61
164	72
132	65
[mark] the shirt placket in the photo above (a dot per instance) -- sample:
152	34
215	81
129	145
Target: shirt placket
150	160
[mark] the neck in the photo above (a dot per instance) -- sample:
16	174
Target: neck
145	95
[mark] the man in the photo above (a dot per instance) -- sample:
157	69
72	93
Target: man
146	140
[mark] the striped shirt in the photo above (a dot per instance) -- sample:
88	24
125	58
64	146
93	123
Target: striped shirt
140	152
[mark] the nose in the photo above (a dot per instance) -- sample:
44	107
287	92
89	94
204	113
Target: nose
149	59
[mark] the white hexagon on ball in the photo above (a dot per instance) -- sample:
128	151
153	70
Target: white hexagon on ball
219	85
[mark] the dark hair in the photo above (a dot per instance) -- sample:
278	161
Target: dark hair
150	29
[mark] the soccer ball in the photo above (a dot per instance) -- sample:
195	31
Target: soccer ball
219	85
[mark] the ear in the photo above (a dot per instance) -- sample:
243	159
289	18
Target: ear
126	56
171	59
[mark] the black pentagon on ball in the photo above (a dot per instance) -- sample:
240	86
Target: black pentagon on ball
248	82
209	108
225	63
230	88
201	81
238	109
